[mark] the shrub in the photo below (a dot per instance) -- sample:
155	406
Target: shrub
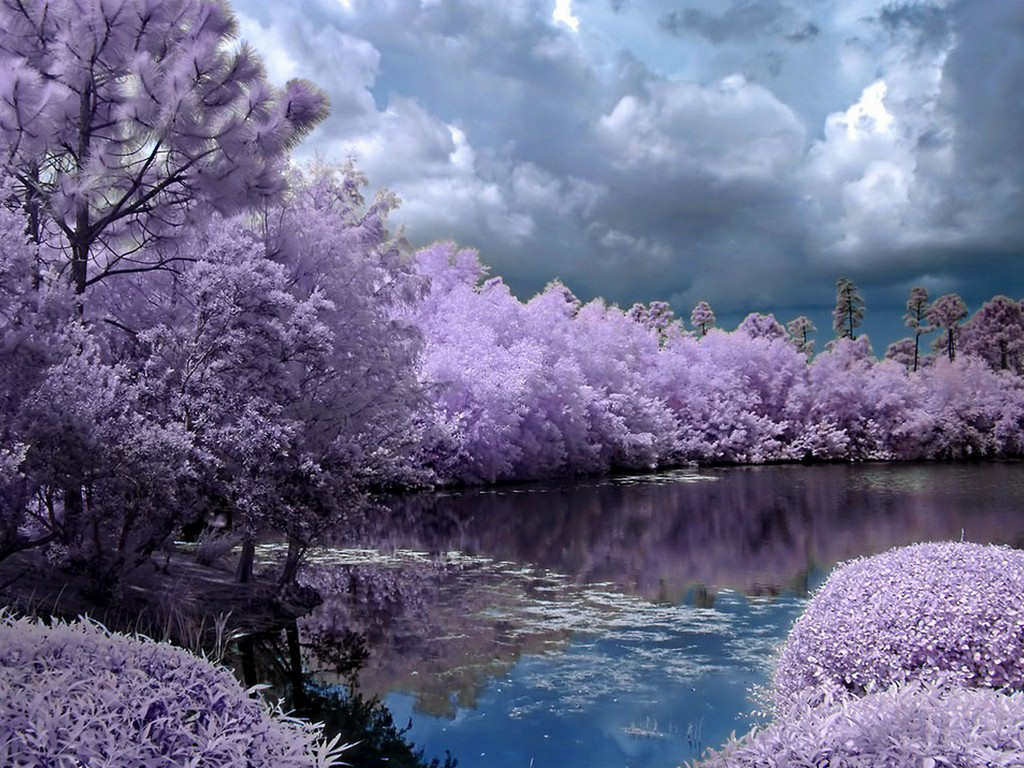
75	694
913	612
922	724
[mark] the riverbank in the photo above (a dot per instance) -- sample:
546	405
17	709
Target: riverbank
170	597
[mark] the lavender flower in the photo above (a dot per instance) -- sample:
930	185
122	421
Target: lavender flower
921	611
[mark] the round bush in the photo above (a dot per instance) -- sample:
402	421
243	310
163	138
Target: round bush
913	612
917	725
76	694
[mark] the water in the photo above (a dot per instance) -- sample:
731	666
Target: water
620	622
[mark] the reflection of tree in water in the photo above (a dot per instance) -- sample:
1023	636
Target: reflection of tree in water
441	625
432	627
759	530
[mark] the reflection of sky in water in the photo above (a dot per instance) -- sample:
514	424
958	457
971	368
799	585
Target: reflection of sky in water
591	677
590	624
638	685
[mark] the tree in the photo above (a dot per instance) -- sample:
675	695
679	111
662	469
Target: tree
702	318
903	352
284	356
799	329
656	317
758	326
120	119
947	312
916	319
849	309
995	333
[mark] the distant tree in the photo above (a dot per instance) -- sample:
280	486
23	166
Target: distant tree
995	333
916	319
119	119
849	309
702	318
656	317
758	326
903	352
947	312
799	329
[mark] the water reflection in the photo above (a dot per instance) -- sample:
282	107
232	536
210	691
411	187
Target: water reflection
761	530
620	621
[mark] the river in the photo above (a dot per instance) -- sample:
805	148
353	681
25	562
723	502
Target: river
627	621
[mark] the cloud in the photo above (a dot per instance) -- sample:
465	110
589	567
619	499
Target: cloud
746	152
731	129
740	22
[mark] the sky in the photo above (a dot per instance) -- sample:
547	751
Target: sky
745	152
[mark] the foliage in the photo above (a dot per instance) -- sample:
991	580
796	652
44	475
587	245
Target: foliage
702	318
77	694
920	612
551	387
995	333
849	310
928	724
916	320
760	326
905	352
123	121
799	330
947	312
379	740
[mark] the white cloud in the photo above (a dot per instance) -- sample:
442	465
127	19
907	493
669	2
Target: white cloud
731	129
562	14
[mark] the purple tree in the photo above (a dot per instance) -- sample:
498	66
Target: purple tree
916	319
947	313
656	317
903	352
799	330
758	326
702	318
120	119
849	310
995	333
282	353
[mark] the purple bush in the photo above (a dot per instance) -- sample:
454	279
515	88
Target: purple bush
75	694
918	612
925	725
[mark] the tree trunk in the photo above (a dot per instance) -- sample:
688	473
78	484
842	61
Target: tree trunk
243	574
73	510
291	562
299	700
248	652
917	343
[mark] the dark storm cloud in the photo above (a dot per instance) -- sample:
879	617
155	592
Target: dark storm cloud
740	21
930	22
750	157
808	31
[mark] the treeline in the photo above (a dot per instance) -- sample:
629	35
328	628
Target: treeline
555	386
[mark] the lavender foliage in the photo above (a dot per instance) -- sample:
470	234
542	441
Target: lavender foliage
949	609
921	724
76	694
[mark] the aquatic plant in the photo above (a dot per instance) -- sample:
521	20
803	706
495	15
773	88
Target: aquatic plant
927	724
76	694
949	608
